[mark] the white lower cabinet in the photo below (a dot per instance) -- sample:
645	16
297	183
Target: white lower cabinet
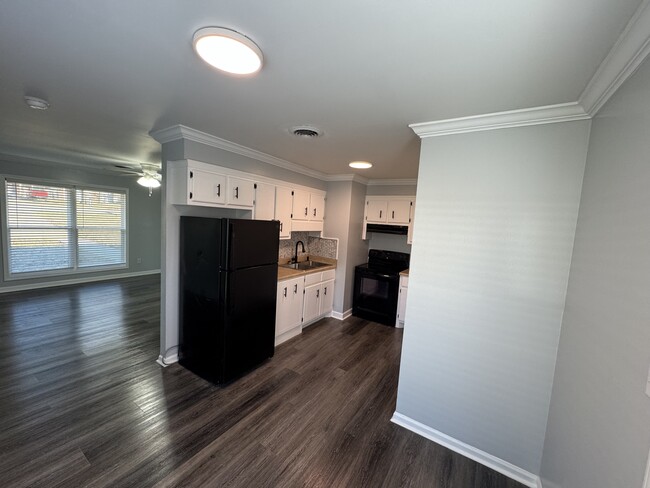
401	303
301	302
288	317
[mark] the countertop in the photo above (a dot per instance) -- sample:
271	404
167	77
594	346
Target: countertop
287	273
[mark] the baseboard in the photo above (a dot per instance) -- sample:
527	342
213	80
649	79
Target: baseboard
290	334
342	316
493	462
76	281
168	361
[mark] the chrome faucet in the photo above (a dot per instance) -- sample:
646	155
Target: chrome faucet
295	256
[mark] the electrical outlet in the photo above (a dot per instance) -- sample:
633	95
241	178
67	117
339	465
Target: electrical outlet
139	260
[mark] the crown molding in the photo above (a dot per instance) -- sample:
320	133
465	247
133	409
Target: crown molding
348	177
549	114
398	182
177	132
629	51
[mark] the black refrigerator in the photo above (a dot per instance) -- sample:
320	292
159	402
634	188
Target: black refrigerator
228	283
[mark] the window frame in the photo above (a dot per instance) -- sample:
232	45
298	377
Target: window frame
75	270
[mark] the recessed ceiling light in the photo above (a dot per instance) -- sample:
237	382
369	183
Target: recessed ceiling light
228	50
360	164
37	103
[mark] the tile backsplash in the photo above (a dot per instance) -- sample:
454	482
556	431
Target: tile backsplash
314	246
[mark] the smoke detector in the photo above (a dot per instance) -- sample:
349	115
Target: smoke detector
306	131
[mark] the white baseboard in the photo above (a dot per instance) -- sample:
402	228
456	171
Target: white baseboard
342	316
75	281
290	334
493	462
168	361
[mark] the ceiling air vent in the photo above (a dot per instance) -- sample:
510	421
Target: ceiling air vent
306	132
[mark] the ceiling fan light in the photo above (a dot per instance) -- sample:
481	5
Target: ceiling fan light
228	50
360	164
148	181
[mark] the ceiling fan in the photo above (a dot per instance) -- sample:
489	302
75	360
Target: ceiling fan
149	175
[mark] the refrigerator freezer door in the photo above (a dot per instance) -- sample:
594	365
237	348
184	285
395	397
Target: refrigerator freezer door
249	334
251	243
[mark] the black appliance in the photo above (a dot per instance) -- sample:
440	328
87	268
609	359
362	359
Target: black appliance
376	286
400	230
228	283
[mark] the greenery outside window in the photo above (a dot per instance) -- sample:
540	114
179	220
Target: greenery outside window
58	229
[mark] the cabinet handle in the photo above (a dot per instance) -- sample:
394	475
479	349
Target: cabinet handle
285	291
325	293
236	192
393	213
306	210
219	190
314	212
380	214
190	195
318	293
280	226
295	288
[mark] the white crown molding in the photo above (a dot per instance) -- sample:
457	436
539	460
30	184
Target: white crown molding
549	114
177	132
629	51
504	467
351	177
397	182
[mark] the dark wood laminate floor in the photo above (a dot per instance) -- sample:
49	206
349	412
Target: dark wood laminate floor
83	404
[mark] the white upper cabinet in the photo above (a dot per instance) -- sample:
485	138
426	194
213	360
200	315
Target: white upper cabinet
241	192
283	204
264	204
399	211
317	206
206	187
300	205
376	210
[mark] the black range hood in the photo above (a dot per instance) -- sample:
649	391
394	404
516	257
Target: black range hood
400	230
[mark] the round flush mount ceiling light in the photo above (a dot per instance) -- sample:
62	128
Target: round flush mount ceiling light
360	165
228	50
37	103
148	181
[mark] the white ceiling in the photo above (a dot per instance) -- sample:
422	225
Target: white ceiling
360	71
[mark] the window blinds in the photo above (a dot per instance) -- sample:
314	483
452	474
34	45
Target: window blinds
53	228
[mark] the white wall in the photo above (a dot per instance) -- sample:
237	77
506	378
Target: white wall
598	432
495	222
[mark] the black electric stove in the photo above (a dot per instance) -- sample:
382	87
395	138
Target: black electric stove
376	286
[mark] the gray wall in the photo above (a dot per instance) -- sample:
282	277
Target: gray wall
495	222
143	217
405	190
337	224
357	248
598	432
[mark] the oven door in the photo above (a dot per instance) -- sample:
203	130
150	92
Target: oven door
375	296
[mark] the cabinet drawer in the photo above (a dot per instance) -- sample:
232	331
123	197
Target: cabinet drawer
329	274
313	278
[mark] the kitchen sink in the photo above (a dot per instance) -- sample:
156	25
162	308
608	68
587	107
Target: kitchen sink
304	265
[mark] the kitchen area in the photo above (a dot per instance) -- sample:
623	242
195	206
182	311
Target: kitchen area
330	234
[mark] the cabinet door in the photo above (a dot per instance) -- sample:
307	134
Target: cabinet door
376	210
206	187
283	203
398	211
311	307
300	205
401	306
327	297
264	208
317	206
240	192
296	289
409	237
282	323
